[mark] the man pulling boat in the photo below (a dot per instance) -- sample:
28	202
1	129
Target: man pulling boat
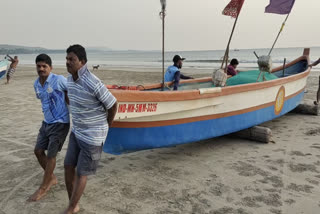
318	92
12	68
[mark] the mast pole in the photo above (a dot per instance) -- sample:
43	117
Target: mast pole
163	15
163	22
225	58
275	41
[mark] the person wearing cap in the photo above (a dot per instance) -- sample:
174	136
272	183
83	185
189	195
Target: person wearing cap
173	72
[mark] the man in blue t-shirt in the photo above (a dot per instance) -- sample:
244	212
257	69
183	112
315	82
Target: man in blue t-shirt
173	72
51	89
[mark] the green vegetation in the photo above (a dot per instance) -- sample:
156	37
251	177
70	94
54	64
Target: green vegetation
14	49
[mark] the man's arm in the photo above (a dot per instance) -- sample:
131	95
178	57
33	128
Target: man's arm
35	90
10	58
315	63
231	71
107	99
176	80
62	85
66	98
185	77
112	113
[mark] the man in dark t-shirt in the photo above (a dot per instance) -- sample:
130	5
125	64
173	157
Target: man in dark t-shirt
318	92
232	67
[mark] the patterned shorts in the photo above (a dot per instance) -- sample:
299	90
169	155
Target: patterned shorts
10	72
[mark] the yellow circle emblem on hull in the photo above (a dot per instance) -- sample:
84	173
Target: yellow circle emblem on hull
279	101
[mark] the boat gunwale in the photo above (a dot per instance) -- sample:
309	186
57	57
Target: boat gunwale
165	96
150	124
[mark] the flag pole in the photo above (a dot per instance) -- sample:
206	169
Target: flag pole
282	26
225	58
163	15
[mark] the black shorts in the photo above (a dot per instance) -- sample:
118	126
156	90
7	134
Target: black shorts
51	137
83	156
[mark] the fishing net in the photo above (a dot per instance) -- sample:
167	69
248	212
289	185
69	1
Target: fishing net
245	77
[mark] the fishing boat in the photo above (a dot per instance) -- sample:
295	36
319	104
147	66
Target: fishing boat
148	117
3	68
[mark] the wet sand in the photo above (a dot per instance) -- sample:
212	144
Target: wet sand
218	176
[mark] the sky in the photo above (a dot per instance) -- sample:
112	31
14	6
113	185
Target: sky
136	25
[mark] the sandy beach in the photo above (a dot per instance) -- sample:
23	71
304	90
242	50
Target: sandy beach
218	176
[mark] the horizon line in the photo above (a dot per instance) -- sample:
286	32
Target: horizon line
141	50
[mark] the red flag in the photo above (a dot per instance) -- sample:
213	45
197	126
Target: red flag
233	8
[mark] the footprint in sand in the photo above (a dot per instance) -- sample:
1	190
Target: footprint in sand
290	201
248	170
279	150
297	153
300	188
225	210
303	167
273	200
312	181
315	147
278	162
276	181
313	132
275	211
218	189
273	190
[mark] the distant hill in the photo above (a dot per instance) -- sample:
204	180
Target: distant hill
16	49
98	49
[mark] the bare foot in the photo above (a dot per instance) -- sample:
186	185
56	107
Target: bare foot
76	209
67	212
42	191
70	211
315	102
53	181
38	194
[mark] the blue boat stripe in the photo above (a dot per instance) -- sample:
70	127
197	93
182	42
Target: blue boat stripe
123	140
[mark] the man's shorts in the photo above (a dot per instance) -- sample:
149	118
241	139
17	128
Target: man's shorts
10	72
83	156
51	137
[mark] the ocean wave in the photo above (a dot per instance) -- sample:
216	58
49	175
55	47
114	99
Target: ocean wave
220	60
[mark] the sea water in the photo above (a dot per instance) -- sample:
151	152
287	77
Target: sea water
194	59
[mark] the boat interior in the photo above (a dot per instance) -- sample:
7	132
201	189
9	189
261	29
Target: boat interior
295	67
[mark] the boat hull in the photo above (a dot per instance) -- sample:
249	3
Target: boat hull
3	68
171	118
122	140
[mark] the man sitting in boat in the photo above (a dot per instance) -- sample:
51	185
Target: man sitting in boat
315	63
232	67
173	72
